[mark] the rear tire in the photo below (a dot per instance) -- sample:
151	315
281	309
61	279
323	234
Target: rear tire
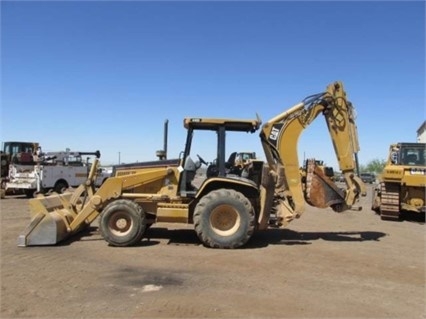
122	223
224	218
60	186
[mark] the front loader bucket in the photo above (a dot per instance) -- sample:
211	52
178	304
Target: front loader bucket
51	216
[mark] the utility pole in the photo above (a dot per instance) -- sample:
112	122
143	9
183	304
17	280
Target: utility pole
119	160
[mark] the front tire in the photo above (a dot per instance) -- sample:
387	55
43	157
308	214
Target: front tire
122	223
224	218
30	193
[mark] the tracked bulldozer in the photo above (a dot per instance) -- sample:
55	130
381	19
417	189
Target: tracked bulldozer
402	184
225	208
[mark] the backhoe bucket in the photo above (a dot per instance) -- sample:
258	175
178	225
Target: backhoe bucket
50	219
321	191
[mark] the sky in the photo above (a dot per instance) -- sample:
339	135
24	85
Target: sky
106	75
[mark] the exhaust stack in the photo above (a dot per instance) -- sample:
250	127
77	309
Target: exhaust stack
162	154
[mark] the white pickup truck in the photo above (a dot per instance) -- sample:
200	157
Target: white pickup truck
53	171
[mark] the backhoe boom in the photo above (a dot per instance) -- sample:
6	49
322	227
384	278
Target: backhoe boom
279	137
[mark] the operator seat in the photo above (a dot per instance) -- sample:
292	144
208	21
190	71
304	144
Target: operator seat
230	165
213	170
231	160
188	175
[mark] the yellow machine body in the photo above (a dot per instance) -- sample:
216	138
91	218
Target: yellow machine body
225	207
402	183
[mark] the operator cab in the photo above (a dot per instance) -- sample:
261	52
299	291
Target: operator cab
410	154
20	152
217	167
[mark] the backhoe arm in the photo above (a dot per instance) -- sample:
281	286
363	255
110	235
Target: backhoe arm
279	138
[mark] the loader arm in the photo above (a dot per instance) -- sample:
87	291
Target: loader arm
279	137
56	217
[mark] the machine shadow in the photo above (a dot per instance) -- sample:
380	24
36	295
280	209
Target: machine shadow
291	237
20	197
89	233
173	236
188	237
406	216
261	238
413	217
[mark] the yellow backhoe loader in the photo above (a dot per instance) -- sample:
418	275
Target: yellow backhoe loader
225	208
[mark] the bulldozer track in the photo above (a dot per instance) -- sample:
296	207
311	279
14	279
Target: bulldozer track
389	208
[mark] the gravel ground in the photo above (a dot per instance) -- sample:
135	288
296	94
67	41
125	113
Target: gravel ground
323	265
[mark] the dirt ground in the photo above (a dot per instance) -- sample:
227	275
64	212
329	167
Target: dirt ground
324	265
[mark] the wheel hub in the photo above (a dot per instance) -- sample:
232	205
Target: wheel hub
225	220
120	224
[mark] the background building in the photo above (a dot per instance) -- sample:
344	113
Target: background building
421	133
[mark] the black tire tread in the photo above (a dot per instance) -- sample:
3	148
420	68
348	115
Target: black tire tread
218	195
139	221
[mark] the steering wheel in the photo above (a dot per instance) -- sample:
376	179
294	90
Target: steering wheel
202	160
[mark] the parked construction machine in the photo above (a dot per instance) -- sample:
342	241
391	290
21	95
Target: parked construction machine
402	183
225	208
21	153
